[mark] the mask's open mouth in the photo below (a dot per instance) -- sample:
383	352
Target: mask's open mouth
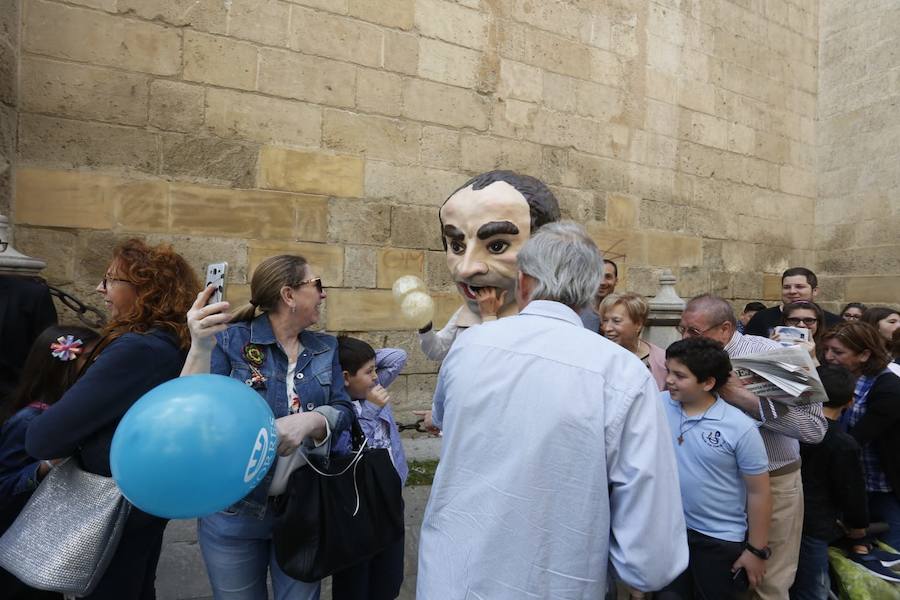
469	291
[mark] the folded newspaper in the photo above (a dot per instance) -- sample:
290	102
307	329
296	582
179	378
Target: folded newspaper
786	375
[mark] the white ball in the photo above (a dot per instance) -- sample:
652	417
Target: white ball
417	309
406	284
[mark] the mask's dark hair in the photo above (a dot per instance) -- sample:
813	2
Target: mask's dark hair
839	384
542	204
703	357
46	378
811	278
754	306
614	266
353	354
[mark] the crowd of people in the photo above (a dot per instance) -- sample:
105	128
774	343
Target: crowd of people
576	454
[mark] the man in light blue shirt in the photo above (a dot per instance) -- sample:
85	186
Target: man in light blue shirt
556	458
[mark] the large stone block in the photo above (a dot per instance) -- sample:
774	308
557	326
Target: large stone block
263	21
250	214
621	211
410	227
482	153
268	120
52	246
437	274
358	222
520	81
84	92
391	13
219	61
448	63
452	23
203	15
538	48
200	251
394	263
440	147
335	36
376	137
209	159
438	103
312	172
326	259
66	143
363	310
176	106
378	92
410	184
99	38
142	206
66	198
401	52
359	266
294	75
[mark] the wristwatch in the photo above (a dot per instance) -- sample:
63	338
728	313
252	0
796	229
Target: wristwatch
763	553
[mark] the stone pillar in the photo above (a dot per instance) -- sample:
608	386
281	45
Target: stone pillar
665	312
13	262
9	97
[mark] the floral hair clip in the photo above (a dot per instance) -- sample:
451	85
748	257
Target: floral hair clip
66	348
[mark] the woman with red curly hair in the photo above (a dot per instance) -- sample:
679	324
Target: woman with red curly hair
148	291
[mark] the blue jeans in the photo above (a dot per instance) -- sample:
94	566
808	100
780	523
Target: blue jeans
811	581
238	552
884	506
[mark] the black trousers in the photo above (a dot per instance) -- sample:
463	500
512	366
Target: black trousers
378	578
708	576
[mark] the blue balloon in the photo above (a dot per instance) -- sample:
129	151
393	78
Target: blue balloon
193	446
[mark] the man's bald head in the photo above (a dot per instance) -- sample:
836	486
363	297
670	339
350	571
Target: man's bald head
708	316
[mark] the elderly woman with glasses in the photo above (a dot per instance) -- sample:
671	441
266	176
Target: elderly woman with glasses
622	318
267	345
147	291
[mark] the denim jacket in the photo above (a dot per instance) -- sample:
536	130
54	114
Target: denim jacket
318	381
18	470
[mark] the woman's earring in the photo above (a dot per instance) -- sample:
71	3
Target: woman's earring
293	309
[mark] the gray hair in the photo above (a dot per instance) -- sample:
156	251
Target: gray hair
716	309
565	262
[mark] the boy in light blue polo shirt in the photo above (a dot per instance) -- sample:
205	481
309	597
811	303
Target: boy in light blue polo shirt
723	472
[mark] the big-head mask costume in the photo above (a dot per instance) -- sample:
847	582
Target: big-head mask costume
484	223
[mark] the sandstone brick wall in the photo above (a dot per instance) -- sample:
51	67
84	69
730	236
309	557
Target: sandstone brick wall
9	62
681	133
858	207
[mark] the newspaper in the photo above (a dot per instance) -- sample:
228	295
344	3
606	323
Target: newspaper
787	376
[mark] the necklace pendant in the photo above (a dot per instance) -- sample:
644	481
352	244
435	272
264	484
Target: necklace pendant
680	440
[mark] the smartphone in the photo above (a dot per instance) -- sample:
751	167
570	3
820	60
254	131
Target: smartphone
215	274
788	335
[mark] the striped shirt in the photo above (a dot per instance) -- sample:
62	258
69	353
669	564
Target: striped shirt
782	427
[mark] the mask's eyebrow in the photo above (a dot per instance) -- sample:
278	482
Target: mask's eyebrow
496	227
454	233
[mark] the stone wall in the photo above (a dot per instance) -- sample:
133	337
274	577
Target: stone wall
9	98
682	133
858	207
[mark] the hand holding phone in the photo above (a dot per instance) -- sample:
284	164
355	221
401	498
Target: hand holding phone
215	275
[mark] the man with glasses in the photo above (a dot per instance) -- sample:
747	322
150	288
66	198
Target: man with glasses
797	284
782	428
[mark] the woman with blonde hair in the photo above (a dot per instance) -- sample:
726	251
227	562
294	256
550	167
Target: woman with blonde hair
268	346
622	318
147	291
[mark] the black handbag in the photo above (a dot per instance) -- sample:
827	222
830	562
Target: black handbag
338	511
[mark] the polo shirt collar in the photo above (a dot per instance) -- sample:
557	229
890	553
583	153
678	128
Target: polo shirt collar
716	412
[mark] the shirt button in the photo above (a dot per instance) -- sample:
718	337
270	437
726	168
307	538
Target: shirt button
299	375
310	406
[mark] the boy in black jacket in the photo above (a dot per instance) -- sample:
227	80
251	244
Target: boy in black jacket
835	501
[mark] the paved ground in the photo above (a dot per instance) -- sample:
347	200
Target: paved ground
182	576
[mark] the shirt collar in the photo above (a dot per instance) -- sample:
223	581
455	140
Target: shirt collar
733	342
554	310
261	333
716	412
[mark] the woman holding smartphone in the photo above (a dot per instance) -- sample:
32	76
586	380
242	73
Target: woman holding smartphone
266	345
147	291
